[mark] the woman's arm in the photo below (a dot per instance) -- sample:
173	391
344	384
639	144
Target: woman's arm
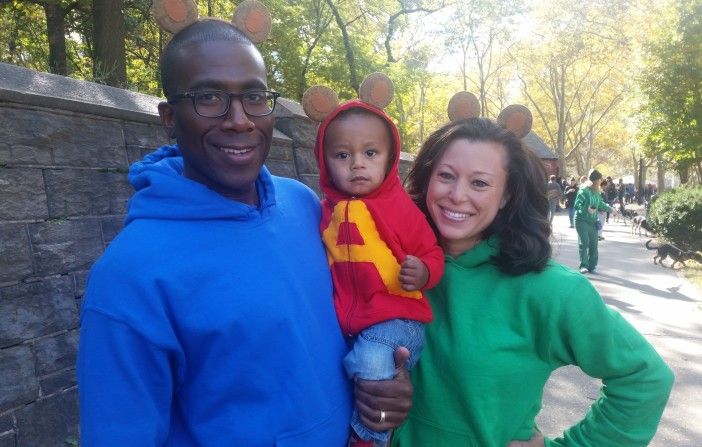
636	380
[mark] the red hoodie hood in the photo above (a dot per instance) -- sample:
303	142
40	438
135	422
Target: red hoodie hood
392	179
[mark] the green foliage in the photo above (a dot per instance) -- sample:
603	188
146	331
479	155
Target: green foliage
23	36
677	216
430	49
672	83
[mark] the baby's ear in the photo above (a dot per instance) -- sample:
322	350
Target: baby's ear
377	89
319	101
516	118
174	15
252	17
463	105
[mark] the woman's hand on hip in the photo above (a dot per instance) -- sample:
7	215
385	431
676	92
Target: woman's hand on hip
537	440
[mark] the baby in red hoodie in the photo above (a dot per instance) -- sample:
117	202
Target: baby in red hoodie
381	250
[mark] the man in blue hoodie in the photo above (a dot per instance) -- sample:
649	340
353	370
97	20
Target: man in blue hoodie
209	319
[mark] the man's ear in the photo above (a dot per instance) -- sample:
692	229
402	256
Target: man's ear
167	115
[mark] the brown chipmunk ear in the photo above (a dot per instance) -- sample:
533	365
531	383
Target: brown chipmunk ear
252	17
174	15
463	105
516	118
377	89
319	101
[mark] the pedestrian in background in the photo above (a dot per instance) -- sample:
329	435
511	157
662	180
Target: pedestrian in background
587	203
570	192
554	194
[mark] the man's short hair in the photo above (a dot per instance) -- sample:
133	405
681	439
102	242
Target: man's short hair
205	30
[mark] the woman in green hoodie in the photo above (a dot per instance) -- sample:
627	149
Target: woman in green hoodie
506	315
587	203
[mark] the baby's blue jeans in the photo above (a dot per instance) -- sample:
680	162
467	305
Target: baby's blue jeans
371	358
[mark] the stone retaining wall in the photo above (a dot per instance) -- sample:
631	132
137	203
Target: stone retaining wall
65	147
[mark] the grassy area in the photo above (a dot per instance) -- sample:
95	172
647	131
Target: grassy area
693	273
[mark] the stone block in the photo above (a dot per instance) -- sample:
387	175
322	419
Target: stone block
111	226
82	192
30	127
91	142
136	153
64	246
80	279
306	161
6	423
144	135
406	163
49	422
30	310
8	439
56	353
313	182
5	152
302	130
20	154
18	383
15	253
59	381
281	151
22	194
282	168
71	139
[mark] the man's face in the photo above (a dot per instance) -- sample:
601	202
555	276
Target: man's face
224	153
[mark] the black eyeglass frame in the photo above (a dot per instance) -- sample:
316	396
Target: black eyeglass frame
192	95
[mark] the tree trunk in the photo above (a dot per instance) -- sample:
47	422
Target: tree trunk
109	58
660	176
353	78
56	33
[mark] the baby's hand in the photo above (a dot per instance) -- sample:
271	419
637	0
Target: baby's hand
413	274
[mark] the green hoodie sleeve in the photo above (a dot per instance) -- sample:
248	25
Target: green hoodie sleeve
636	380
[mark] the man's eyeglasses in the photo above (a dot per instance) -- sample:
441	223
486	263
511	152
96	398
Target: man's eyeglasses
215	103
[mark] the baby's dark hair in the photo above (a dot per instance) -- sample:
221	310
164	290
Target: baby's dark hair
522	224
204	30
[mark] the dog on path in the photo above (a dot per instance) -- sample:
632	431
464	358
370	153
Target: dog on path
638	223
671	251
624	215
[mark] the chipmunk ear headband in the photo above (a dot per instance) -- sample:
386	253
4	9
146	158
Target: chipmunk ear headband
251	17
515	118
319	101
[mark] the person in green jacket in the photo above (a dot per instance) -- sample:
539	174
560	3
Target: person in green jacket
506	315
587	203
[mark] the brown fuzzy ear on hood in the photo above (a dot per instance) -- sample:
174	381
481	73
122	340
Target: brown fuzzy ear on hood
251	17
463	105
319	101
174	15
377	89
517	119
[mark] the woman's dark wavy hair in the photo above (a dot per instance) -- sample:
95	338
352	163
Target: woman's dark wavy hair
522	225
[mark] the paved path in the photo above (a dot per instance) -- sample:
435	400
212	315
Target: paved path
662	305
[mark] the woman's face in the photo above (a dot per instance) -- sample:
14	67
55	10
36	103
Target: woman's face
466	189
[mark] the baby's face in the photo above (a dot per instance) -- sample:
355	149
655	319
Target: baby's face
357	153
